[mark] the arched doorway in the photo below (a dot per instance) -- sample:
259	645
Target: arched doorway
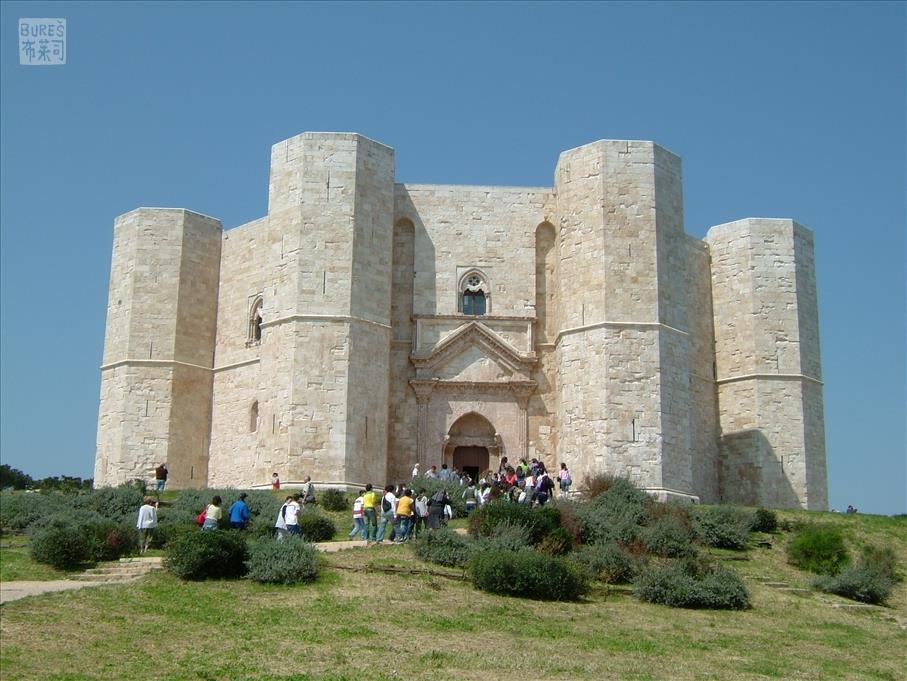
472	445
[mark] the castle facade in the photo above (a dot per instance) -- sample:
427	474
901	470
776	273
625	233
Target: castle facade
363	325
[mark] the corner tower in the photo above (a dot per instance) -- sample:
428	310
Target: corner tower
159	347
768	371
623	346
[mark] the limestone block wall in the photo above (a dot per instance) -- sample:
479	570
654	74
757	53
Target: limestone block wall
159	347
492	228
623	369
766	354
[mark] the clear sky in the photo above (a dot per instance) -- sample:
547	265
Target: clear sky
777	110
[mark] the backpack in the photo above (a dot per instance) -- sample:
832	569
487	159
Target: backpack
200	518
385	505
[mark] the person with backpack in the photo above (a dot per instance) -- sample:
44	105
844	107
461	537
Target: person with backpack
281	523
436	508
469	494
388	509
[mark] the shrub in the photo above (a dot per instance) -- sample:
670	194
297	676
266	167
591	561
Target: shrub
172	524
818	548
616	514
432	485
443	547
201	555
765	520
692	584
862	582
505	535
63	547
597	484
19	510
556	543
113	503
110	541
723	527
569	519
288	561
882	558
334	500
669	537
527	573
537	521
316	527
609	562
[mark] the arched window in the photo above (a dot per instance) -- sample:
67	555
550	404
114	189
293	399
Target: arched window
253	417
255	320
475	294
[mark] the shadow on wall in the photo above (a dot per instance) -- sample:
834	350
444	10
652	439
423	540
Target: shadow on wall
425	299
751	474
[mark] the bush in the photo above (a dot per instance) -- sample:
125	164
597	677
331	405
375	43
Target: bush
443	547
505	535
538	521
316	527
597	484
818	548
172	524
113	503
288	561
692	584
63	547
723	527
207	554
862	582
432	485
882	558
109	541
669	537
765	520
528	574
609	563
334	500
19	510
616	514
556	543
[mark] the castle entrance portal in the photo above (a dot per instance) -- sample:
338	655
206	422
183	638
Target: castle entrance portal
471	460
472	445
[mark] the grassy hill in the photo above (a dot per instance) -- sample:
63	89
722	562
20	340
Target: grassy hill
357	622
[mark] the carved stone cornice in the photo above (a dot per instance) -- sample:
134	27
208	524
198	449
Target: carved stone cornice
475	334
423	389
516	387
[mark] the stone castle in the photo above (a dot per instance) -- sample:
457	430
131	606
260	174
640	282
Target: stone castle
363	325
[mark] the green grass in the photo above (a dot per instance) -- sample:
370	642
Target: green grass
16	563
354	625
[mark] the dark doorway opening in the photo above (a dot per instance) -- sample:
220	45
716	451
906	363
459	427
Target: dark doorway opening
471	460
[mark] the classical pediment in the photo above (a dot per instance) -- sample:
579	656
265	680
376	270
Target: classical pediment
474	353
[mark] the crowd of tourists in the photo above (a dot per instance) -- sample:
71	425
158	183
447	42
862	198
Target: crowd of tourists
401	513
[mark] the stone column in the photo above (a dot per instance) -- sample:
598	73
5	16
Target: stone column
423	390
522	392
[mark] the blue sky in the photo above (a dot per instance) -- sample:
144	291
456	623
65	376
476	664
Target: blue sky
777	109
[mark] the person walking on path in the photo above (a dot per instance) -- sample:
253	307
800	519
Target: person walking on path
421	514
239	512
160	477
146	523
403	516
370	512
291	516
388	510
213	514
358	520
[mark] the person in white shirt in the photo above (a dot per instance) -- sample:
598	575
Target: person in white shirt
388	510
281	524
292	515
416	471
358	520
146	522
